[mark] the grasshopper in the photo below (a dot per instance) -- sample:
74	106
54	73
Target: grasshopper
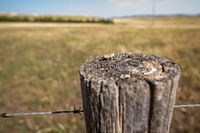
109	56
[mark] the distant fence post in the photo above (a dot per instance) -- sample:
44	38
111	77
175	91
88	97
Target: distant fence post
128	93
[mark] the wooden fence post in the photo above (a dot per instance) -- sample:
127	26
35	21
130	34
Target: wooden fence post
128	93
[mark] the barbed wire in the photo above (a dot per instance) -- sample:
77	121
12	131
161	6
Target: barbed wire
187	106
75	111
7	115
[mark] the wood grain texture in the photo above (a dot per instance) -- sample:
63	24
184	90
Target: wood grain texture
128	93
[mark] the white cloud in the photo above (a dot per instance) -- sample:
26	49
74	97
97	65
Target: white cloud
136	7
129	3
132	6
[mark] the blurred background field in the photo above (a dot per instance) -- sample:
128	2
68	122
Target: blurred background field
39	67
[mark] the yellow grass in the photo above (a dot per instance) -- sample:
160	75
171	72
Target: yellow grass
40	64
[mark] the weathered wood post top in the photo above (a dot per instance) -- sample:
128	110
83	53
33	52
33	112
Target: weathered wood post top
128	93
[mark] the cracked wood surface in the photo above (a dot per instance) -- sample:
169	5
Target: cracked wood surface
128	93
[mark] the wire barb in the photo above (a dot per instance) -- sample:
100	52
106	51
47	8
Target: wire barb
4	115
75	111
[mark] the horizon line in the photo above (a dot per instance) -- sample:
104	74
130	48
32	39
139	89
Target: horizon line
120	16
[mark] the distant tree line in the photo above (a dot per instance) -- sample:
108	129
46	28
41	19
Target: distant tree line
58	19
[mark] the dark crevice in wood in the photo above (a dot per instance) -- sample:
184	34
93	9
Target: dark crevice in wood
163	67
124	112
100	106
152	96
123	120
89	86
119	106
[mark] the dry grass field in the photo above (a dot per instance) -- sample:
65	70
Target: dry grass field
39	67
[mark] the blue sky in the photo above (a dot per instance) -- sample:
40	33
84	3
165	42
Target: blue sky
100	8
